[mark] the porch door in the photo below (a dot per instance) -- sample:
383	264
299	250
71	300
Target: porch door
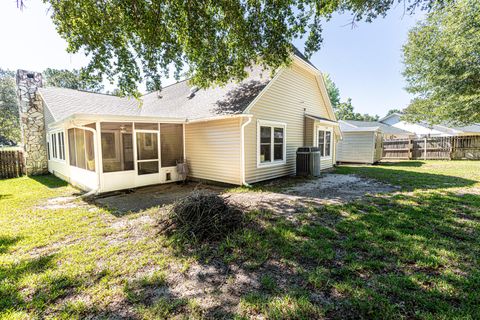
147	155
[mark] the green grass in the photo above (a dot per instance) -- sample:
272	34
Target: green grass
414	253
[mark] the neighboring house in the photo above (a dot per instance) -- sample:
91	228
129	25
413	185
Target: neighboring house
360	143
238	134
389	132
422	129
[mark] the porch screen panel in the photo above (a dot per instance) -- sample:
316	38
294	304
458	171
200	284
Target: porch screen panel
117	146
147	152
171	141
80	148
147	145
71	147
89	151
127	143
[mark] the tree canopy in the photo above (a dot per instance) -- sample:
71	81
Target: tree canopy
9	117
345	111
211	41
332	90
442	65
71	79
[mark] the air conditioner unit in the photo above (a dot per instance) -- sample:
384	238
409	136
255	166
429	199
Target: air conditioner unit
308	161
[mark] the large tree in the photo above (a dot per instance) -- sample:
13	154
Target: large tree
213	41
9	117
344	111
332	90
71	79
442	65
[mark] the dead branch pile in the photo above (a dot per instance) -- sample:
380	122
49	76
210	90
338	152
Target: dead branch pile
202	216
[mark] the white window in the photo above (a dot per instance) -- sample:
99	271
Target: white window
271	146
325	142
56	146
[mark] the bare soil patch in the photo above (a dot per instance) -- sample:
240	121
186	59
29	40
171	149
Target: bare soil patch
290	195
330	188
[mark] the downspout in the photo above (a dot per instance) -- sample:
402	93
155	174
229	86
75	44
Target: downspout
242	150
97	165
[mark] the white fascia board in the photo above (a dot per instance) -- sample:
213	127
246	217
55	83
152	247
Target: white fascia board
115	118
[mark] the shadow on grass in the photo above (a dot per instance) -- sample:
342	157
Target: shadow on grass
6	242
5	196
408	180
50	181
389	256
410	163
10	277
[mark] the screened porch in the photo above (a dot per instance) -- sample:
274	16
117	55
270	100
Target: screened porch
124	154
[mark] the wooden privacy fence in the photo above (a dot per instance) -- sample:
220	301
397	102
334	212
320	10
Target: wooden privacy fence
12	164
446	148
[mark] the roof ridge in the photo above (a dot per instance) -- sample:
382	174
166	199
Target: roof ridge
84	91
170	85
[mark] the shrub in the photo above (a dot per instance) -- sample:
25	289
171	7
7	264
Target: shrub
202	216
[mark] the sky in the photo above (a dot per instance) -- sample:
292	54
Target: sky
365	61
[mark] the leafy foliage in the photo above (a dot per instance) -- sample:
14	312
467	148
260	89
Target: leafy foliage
392	111
71	80
344	111
442	65
9	117
332	90
214	40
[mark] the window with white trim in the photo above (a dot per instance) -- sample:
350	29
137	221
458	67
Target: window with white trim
271	142
325	142
56	146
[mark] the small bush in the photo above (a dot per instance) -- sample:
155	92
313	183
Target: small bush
202	216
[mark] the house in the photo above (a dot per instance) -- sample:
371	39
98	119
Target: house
362	142
238	134
422	129
389	132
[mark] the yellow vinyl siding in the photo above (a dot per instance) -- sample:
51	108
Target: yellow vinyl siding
293	94
309	132
213	150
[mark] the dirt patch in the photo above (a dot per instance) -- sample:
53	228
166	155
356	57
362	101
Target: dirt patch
292	197
330	188
340	188
144	198
59	203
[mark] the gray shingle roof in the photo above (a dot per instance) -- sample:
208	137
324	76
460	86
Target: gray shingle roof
448	128
369	124
171	102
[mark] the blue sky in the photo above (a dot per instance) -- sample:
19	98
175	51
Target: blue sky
365	61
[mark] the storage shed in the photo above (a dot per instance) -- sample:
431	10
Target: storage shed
359	144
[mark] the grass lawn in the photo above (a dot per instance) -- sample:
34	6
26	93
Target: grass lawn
414	253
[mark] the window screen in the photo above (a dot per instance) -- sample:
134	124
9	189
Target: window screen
71	147
89	151
321	142
278	143
80	148
265	144
171	141
328	142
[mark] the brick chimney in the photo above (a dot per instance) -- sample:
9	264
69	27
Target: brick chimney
32	122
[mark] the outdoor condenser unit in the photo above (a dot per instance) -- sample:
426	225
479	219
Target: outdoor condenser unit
308	161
